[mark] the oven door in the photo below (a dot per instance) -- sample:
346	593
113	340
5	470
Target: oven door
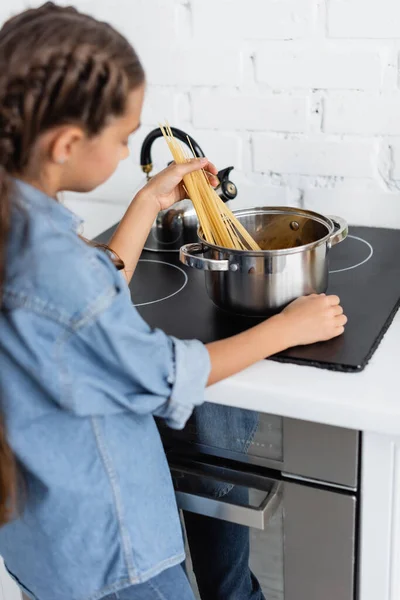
302	537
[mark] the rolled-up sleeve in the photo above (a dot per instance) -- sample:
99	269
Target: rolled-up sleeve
113	361
191	366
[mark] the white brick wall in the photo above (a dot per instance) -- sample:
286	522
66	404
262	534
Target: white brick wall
362	113
188	66
395	152
288	65
252	19
314	157
371	19
302	96
236	111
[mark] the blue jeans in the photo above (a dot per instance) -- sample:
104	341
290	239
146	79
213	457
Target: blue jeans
171	584
220	550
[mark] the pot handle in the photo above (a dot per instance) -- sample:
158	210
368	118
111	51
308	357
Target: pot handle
190	255
341	231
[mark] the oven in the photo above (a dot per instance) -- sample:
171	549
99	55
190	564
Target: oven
296	488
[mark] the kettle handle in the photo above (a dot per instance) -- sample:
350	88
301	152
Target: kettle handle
226	189
145	152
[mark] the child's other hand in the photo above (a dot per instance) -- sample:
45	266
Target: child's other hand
166	187
314	318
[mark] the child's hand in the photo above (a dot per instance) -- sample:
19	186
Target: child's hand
314	318
166	187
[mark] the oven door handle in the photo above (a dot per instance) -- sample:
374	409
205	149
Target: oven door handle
257	518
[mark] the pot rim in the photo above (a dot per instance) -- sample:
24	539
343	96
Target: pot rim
278	210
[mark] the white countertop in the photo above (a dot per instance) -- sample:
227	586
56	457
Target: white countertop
366	401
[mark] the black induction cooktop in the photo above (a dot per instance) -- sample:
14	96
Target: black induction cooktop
364	272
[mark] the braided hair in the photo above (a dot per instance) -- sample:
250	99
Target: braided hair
57	66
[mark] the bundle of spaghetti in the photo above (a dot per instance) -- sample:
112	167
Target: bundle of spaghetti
219	225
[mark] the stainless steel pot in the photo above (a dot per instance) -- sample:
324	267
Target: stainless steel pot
293	261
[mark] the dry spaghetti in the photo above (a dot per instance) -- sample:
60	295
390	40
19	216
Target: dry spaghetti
219	225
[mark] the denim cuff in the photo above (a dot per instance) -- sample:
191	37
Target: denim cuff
188	381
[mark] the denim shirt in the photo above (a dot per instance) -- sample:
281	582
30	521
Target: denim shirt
81	378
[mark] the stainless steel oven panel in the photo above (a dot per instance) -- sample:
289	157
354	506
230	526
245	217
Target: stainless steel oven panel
266	449
310	450
306	548
320	544
299	448
268	439
195	449
321	452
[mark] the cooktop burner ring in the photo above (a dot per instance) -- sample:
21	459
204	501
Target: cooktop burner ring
362	262
163	262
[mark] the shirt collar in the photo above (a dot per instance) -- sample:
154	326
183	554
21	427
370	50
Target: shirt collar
34	197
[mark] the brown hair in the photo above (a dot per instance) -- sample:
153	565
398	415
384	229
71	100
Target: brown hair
57	66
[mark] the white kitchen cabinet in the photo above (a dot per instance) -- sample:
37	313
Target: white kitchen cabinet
8	589
380	518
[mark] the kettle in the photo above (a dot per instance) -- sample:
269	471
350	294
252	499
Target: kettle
178	224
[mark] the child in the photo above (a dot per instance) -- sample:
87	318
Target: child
86	500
